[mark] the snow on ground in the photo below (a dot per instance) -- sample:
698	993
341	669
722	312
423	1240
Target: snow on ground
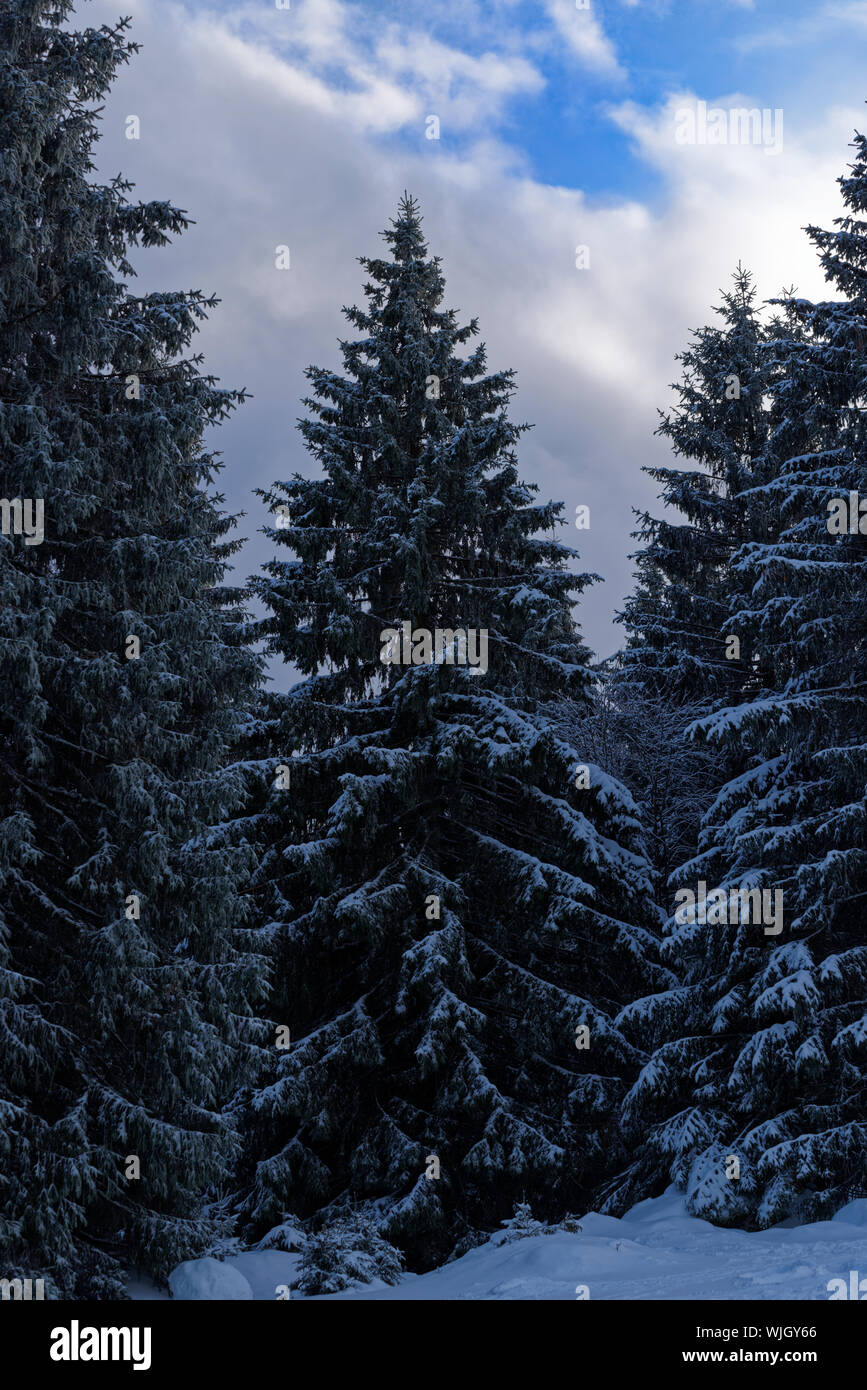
656	1251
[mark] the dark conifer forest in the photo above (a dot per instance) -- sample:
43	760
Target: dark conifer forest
354	908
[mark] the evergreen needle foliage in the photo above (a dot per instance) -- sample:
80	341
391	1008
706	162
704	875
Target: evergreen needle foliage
124	975
446	907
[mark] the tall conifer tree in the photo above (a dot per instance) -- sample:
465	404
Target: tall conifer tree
124	978
760	1056
676	620
679	661
448	902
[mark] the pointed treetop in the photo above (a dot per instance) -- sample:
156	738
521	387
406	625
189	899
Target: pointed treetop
405	235
408	209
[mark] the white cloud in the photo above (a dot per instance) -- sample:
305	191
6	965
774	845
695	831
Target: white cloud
585	36
380	75
821	24
465	88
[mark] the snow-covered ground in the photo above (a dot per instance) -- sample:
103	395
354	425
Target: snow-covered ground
656	1251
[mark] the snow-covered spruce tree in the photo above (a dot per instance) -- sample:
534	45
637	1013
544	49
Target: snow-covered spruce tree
676	619
521	1225
682	657
125	974
762	1053
347	1253
447	905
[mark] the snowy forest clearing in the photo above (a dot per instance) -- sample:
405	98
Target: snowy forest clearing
657	1251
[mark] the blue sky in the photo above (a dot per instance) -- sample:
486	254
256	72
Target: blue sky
302	126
